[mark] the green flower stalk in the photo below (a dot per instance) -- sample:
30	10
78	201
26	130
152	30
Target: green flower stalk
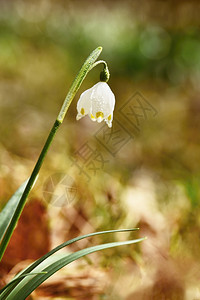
89	64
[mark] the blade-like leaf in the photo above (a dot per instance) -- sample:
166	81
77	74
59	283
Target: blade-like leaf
37	262
8	211
17	280
18	277
29	284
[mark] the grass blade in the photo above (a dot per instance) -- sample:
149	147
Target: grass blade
8	211
27	270
29	284
17	280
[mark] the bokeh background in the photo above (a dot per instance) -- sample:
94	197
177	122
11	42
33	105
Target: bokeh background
151	181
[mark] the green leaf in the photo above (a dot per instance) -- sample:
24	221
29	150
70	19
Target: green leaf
18	277
10	285
17	280
37	262
52	265
8	211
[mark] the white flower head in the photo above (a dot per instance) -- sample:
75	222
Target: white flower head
98	103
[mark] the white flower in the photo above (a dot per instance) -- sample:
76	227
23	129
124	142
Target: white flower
98	102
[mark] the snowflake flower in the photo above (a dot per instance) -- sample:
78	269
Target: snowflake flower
98	103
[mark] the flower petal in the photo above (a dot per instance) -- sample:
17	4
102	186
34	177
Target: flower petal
102	99
98	102
109	120
83	104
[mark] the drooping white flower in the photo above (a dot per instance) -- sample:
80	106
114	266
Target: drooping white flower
98	103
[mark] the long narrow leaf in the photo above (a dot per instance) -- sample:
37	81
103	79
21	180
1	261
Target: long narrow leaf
17	280
8	211
28	285
18	277
37	262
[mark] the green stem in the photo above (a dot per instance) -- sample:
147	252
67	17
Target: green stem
87	66
105	74
99	62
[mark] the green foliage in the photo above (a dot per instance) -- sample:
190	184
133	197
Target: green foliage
22	285
7	213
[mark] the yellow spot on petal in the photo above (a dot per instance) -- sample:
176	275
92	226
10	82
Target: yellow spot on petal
82	111
109	117
99	114
92	117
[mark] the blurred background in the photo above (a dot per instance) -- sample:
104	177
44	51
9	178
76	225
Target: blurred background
142	173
